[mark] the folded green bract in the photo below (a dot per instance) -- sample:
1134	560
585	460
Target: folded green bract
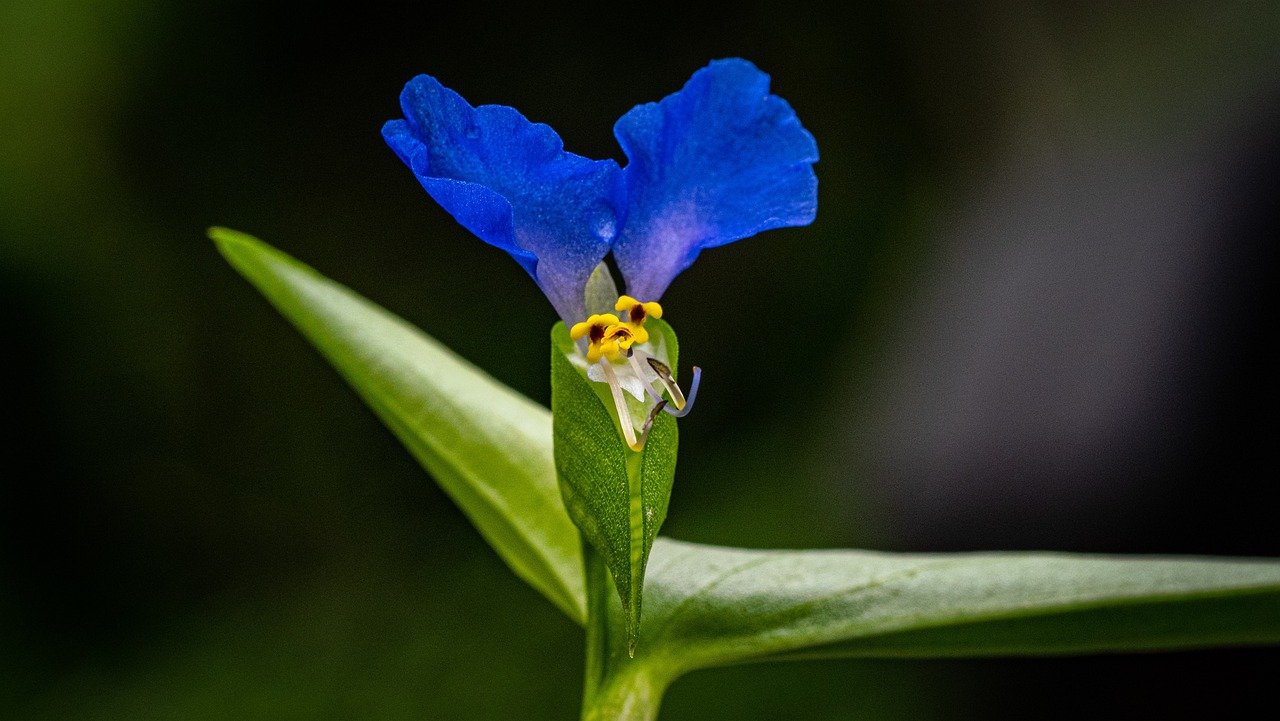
616	496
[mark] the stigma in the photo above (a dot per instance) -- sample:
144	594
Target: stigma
619	353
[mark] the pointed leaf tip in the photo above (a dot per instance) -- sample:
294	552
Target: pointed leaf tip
487	446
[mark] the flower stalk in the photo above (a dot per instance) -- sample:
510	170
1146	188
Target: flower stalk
616	687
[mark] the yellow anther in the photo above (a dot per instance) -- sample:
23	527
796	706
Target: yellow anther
634	312
618	338
593	327
606	337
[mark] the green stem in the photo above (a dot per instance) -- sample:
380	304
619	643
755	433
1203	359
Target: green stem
629	696
597	583
615	687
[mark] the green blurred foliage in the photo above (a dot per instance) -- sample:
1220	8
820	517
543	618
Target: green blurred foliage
201	521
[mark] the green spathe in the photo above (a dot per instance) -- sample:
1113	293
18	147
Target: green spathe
617	497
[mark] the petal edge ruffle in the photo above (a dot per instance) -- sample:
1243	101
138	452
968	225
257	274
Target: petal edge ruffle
511	182
718	161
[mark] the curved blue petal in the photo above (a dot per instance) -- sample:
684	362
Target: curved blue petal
511	183
719	161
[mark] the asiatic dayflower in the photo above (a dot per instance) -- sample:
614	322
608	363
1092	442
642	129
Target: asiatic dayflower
718	161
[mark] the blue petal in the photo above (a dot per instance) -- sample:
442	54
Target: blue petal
718	161
511	183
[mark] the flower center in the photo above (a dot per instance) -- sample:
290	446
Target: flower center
619	334
606	336
613	348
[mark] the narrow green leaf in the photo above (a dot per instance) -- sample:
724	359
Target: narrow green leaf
487	446
616	496
710	606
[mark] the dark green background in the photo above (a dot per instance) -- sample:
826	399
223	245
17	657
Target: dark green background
1031	314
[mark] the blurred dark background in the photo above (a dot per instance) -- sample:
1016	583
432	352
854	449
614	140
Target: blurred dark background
1032	314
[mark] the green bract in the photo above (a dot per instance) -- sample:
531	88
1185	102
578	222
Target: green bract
705	606
616	496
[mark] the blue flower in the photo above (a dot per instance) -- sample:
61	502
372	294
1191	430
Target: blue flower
718	161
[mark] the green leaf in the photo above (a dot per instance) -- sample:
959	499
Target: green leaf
617	497
488	447
711	606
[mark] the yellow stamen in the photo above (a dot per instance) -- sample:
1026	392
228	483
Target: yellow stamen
606	337
600	321
634	313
